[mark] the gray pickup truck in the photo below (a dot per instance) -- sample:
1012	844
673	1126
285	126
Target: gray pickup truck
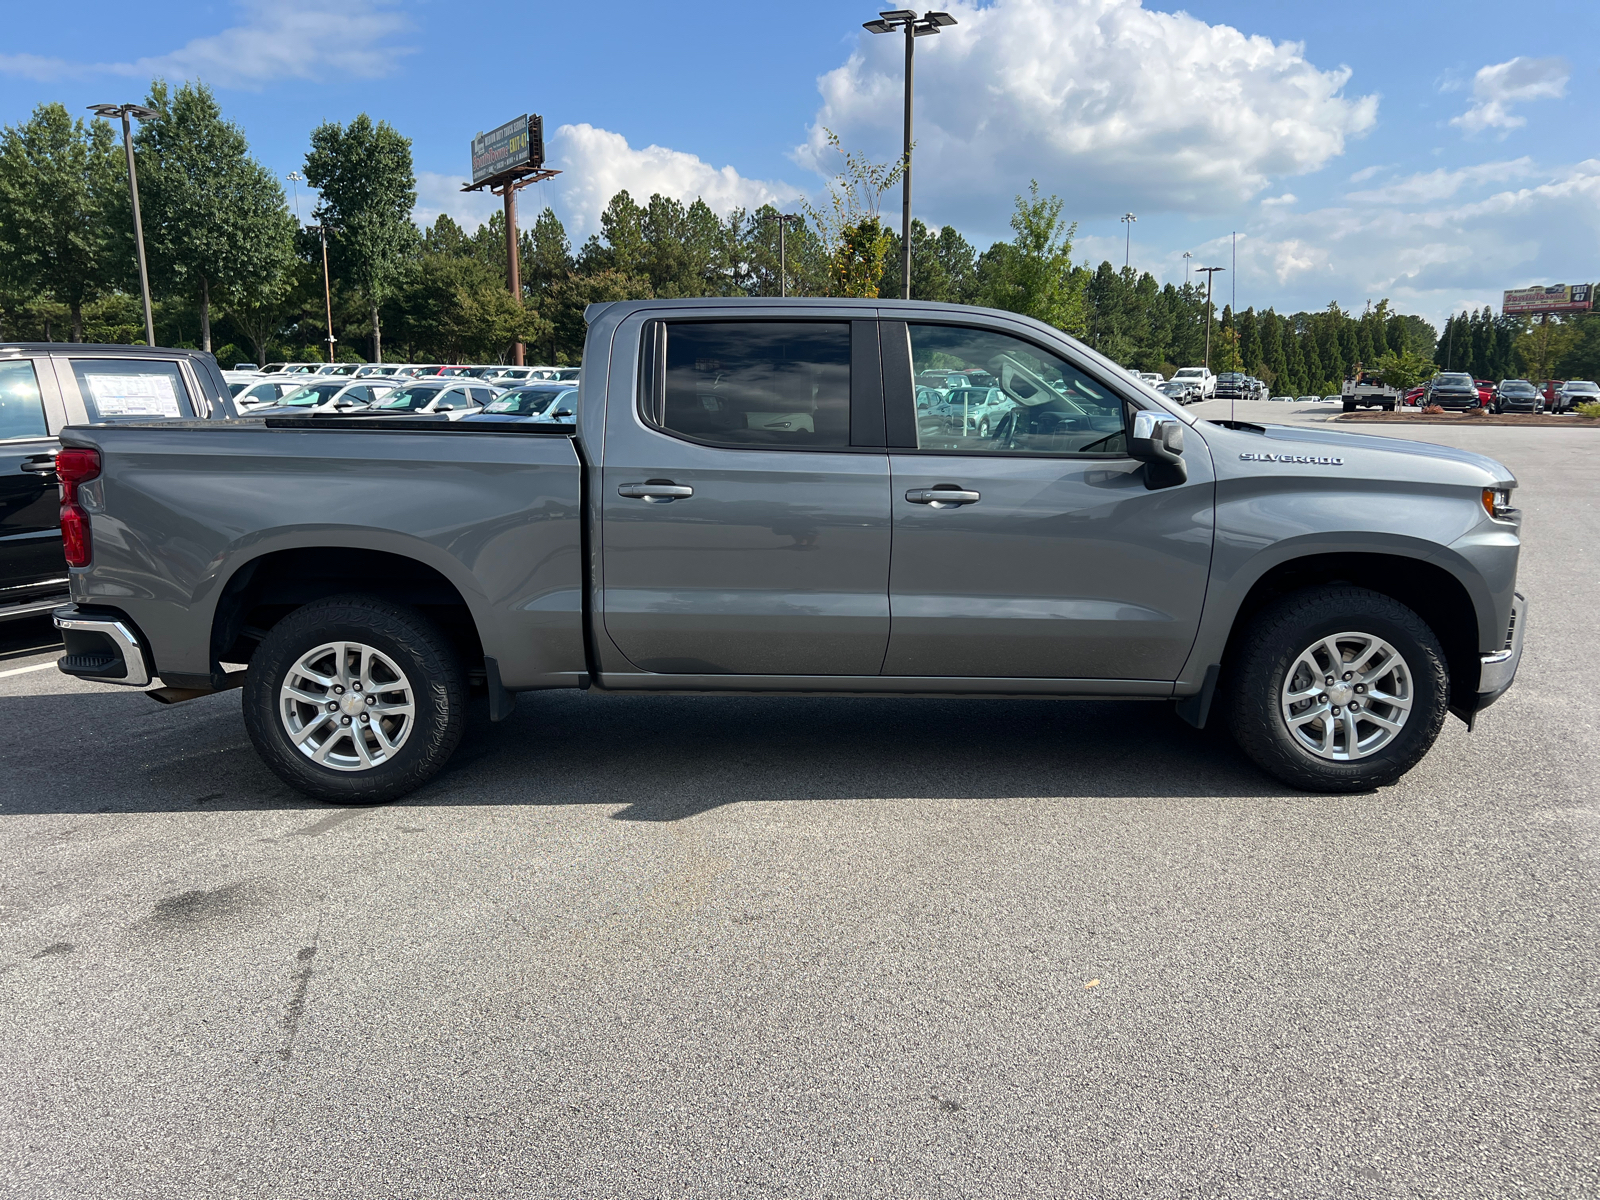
751	501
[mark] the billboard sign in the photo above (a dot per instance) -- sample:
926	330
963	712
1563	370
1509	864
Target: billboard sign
518	143
1560	297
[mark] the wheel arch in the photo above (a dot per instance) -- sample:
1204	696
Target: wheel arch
263	589
1441	597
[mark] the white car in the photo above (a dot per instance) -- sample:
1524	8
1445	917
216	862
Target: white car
1201	377
291	368
322	396
451	398
1575	392
1153	378
263	392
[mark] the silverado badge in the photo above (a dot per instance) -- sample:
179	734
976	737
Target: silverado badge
1316	460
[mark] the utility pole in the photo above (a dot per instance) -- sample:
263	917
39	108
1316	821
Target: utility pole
327	288
1127	256
144	114
1208	272
915	27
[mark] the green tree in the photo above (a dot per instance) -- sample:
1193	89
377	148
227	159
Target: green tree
363	172
1033	274
1404	370
58	183
216	221
546	254
848	223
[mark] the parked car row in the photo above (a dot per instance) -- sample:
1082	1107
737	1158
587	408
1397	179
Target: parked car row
490	372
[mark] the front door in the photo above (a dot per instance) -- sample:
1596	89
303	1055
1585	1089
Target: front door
31	563
1047	557
745	505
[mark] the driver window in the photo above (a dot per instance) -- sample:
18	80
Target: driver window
981	392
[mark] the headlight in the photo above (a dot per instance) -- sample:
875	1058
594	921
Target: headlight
1497	503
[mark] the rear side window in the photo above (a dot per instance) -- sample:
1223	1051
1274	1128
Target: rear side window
21	406
756	383
131	389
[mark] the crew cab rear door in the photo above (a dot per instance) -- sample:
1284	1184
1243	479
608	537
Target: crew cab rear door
1047	556
745	497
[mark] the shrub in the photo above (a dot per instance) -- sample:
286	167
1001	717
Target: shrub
1433	410
1589	410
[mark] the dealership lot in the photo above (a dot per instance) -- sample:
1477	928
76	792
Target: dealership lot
709	946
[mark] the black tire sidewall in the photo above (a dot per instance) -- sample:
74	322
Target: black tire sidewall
437	689
1286	629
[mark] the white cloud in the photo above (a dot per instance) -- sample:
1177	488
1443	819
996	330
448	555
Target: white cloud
437	193
1428	186
1432	247
598	164
1107	103
291	39
1496	88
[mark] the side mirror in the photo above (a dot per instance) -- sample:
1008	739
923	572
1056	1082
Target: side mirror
565	412
1157	441
445	408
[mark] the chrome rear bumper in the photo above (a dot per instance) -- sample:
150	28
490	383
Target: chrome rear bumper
101	647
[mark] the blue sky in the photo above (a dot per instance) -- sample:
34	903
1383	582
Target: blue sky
1431	153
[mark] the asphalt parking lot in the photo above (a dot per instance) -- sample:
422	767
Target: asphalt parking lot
684	946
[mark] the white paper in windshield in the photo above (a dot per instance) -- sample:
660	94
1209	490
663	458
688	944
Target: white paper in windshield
134	395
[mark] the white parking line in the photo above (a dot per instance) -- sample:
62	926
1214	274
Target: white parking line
25	670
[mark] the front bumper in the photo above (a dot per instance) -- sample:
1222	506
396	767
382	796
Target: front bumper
102	646
1497	671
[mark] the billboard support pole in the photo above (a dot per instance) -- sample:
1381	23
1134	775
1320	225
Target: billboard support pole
513	266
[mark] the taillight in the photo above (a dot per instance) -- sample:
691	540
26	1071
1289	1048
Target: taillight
75	465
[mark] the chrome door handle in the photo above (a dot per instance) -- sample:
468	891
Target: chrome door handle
943	497
655	493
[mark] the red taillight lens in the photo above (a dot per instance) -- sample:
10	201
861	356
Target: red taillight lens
75	534
75	465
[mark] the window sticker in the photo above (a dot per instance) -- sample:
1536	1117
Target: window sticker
134	395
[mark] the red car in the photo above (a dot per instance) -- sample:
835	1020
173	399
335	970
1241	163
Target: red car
1485	391
1414	396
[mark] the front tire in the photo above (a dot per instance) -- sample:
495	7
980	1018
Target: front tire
355	700
1304	662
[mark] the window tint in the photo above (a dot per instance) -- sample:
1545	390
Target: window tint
758	383
131	389
1029	401
21	407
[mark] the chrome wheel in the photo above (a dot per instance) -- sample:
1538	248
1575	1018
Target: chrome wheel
347	706
1347	696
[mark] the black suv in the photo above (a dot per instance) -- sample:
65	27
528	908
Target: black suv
1453	390
46	385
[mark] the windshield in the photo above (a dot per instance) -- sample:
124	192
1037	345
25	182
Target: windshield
1191	373
1453	381
410	399
1518	387
1583	386
525	402
312	394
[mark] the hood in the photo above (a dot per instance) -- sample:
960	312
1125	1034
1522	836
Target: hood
1364	455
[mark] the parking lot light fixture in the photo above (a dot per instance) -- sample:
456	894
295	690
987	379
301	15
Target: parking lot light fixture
1187	257
327	286
295	177
1127	220
784	220
139	113
914	27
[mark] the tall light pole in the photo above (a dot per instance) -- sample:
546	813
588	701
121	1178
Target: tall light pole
1186	257
1127	220
784	220
914	27
1208	272
327	287
295	177
143	114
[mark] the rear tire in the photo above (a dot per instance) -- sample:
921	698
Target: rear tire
1411	698
355	700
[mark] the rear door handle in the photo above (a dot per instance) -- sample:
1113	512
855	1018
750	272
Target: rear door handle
943	497
655	491
35	466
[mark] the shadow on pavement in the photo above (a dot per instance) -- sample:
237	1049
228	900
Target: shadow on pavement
658	758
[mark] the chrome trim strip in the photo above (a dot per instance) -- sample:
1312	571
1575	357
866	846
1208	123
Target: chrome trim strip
1497	670
132	655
